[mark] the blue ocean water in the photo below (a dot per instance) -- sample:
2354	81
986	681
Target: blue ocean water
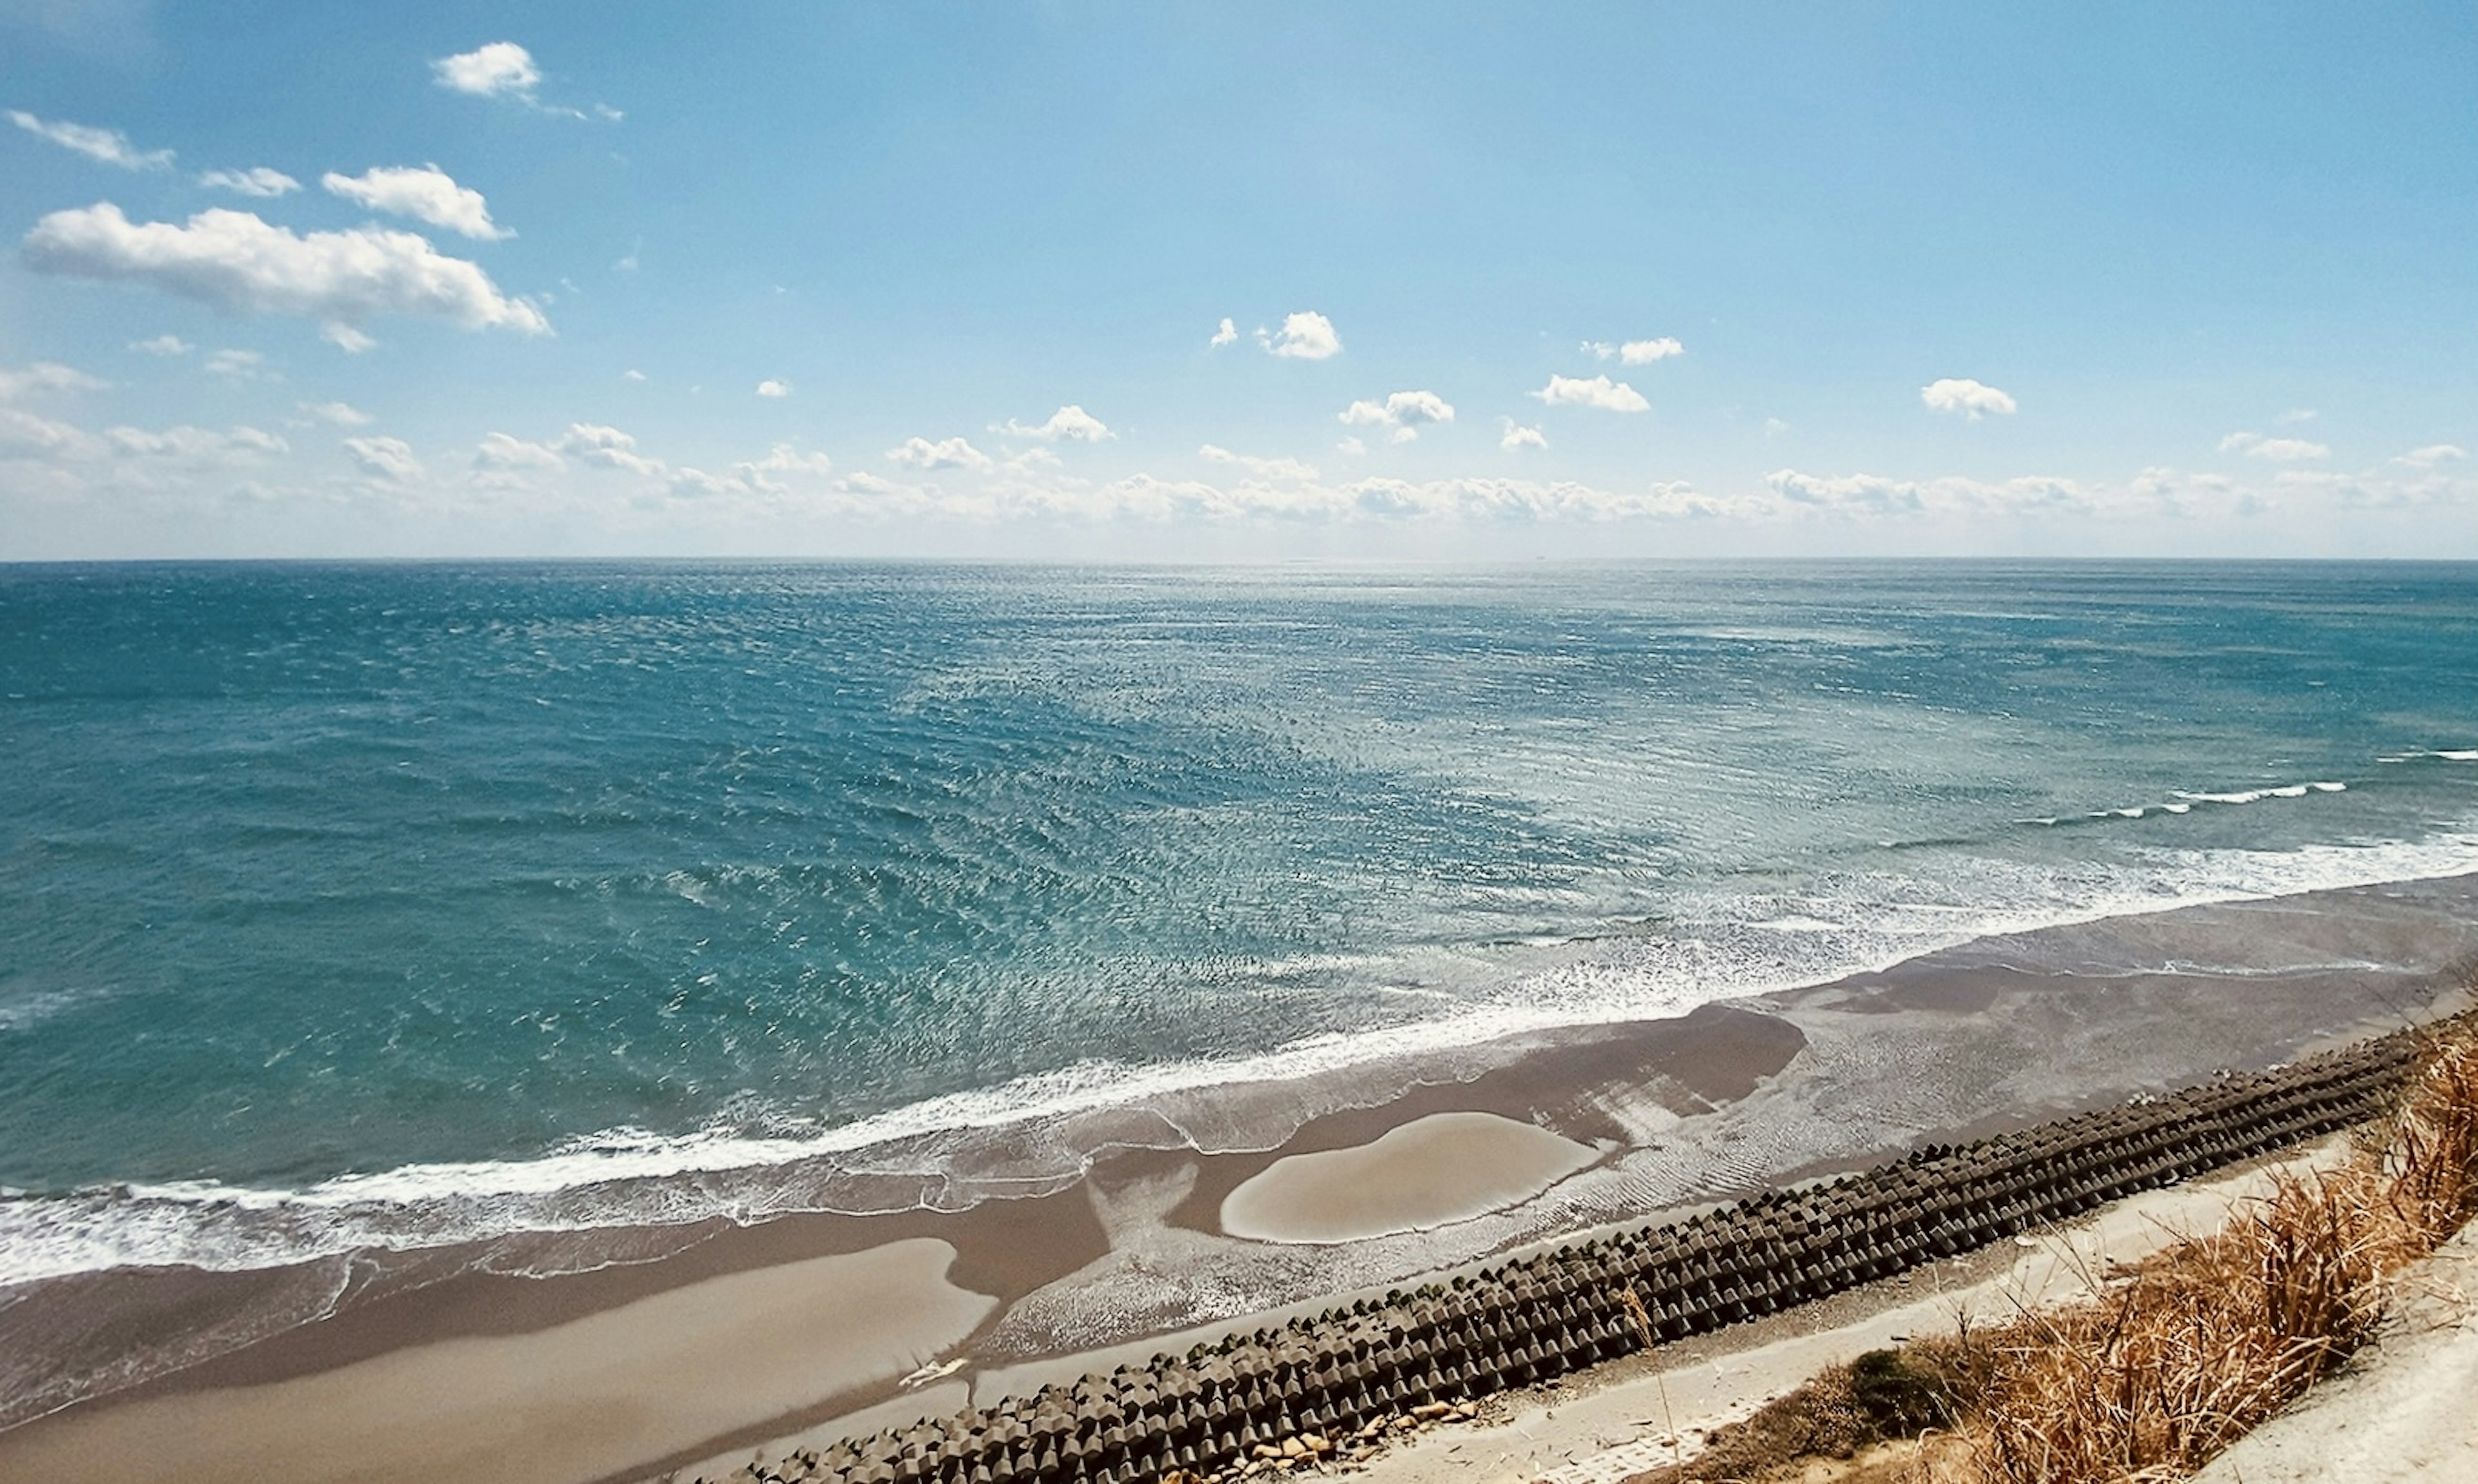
443	883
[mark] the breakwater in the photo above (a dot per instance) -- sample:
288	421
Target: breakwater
1536	1318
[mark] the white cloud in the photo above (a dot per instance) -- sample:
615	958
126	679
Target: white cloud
1403	411
1973	399
387	458
2277	450
1598	392
235	261
505	451
953	453
344	415
2295	415
46	376
424	193
110	146
606	448
768	388
1873	495
163	345
1518	436
240	366
1306	336
1774	427
1635	352
1350	448
1284	469
781	461
632	374
345	338
2431	455
501	69
1071	423
1225	334
194	445
257	180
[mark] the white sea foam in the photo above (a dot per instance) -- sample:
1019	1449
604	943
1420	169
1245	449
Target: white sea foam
629	1177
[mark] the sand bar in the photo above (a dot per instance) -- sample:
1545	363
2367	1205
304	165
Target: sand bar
574	1402
1429	1173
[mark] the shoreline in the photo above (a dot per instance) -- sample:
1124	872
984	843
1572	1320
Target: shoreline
1768	1090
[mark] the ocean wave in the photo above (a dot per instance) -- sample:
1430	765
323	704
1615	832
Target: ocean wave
2184	801
630	1177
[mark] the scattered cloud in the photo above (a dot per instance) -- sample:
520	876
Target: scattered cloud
1225	334
632	374
2277	450
163	345
1636	352
501	451
257	180
1284	469
2295	415
423	192
344	415
1973	399
1518	436
1404	412
771	386
236	261
2431	455
1774	427
507	71
385	458
605	447
629	264
1599	392
1071	423
1350	448
46	376
345	338
1306	336
955	453
240	366
500	69
110	146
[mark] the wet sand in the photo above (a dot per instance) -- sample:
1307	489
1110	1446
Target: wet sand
1155	1240
1426	1174
572	1402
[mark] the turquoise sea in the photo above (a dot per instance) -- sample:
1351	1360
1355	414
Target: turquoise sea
361	906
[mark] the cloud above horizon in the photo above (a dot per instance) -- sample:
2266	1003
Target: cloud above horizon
1973	399
423	192
1306	336
1636	352
1615	396
257	180
1071	423
236	261
108	146
2276	450
1404	412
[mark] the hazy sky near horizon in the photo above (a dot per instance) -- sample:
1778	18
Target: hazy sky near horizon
1263	281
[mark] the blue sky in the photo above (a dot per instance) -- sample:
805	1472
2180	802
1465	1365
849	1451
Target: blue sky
1500	281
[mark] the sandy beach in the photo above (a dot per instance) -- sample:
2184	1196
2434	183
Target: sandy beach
702	1346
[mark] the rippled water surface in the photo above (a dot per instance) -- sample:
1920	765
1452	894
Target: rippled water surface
309	872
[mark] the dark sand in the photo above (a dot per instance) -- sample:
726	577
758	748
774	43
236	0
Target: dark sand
1998	1033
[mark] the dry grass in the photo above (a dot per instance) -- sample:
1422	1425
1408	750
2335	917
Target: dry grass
2178	1358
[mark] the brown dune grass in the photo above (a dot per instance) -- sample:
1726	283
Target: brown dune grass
2177	1358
